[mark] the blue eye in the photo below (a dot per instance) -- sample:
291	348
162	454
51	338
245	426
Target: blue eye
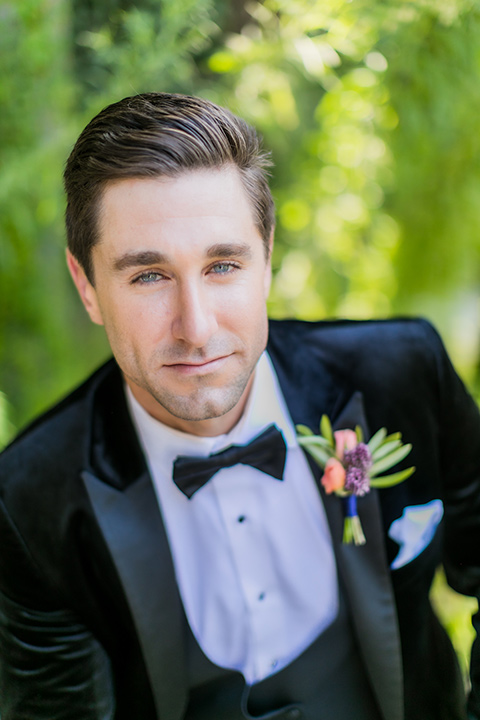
222	268
147	278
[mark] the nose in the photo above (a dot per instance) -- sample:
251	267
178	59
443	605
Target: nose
195	318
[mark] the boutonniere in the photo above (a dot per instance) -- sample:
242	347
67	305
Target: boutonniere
352	466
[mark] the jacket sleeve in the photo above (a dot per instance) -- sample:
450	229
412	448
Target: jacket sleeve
460	461
51	666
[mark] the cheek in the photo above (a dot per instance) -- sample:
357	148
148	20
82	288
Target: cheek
244	306
138	316
247	318
125	327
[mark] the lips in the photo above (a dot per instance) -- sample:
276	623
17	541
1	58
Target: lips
198	368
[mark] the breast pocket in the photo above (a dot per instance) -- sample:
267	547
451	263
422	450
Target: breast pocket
418	572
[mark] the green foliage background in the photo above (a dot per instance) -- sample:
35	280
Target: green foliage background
370	108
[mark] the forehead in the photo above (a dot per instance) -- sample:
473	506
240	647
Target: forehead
209	198
180	220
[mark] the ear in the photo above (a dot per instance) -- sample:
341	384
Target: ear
87	292
268	266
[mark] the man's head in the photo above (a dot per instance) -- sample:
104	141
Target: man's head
170	225
159	135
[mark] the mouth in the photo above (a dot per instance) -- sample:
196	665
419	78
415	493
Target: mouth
201	367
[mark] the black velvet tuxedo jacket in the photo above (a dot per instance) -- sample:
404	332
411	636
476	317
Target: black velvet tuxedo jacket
91	622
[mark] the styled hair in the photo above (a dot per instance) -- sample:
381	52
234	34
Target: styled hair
155	135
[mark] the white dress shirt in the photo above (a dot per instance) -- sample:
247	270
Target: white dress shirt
253	555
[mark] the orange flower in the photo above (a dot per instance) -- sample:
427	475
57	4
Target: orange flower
344	440
334	476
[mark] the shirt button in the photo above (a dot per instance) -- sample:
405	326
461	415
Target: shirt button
261	596
241	518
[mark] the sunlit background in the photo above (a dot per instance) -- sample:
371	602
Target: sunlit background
370	109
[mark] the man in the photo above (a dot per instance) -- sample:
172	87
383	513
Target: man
137	583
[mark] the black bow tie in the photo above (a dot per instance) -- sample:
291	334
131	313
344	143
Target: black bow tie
266	452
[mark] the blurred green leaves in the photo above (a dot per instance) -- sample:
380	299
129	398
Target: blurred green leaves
152	49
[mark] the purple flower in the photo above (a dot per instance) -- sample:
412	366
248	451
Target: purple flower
357	463
359	457
357	481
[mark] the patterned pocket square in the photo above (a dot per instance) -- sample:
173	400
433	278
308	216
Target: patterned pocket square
414	530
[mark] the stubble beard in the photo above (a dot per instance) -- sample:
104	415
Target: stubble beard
203	403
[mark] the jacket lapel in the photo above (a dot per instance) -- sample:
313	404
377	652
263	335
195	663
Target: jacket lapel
126	508
135	535
363	569
365	573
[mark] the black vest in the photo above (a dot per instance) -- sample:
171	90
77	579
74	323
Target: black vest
326	682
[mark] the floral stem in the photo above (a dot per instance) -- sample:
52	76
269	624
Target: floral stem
352	527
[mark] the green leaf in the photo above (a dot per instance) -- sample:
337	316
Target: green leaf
359	433
385	448
392	459
394	479
306	441
319	454
326	430
393	436
303	430
376	440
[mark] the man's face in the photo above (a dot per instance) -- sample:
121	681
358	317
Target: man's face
181	281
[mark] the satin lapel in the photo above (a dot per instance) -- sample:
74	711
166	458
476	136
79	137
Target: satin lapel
365	573
135	535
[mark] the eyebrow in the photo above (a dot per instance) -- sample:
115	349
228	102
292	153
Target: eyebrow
139	259
153	257
225	250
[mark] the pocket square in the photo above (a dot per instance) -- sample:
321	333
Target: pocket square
414	530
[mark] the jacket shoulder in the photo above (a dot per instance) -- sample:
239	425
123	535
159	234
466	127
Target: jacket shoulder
55	437
350	344
349	331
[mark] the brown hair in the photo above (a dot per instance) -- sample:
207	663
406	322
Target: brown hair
159	134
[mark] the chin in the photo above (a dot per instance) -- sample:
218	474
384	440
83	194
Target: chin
206	408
